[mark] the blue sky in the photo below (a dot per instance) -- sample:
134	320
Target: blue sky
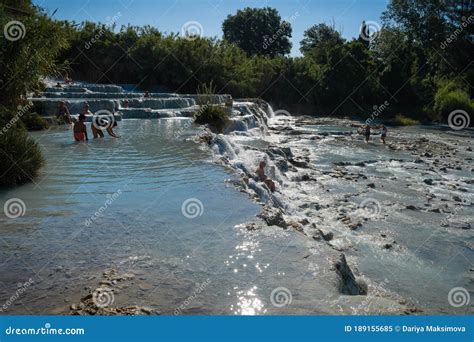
170	15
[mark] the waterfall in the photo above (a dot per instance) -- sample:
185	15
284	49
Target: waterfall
224	146
249	117
270	112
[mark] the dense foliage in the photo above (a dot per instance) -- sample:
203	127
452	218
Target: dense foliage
30	43
258	31
407	62
30	52
20	158
216	117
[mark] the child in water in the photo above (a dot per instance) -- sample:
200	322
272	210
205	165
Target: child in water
80	130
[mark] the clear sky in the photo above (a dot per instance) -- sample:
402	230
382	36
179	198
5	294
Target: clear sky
170	15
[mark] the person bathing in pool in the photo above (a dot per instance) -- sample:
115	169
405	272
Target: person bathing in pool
366	132
86	110
97	127
263	177
80	129
62	114
383	133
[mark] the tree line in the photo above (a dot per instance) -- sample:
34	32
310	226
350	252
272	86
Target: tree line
418	59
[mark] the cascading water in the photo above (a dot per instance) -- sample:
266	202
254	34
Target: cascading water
112	98
372	202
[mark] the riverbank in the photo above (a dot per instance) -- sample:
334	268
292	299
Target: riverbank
393	211
353	228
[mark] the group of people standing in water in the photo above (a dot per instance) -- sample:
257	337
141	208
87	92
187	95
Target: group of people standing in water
366	131
98	125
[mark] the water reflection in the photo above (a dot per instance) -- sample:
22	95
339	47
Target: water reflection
248	303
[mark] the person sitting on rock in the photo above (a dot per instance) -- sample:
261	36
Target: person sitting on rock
80	130
263	177
63	113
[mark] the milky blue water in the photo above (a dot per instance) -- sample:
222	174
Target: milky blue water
117	204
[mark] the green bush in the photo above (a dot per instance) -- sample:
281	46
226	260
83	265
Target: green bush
34	122
26	61
215	116
24	64
20	157
205	91
405	121
449	99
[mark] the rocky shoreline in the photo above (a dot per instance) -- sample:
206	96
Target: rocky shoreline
318	200
304	200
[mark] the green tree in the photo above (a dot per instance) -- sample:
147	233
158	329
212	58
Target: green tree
436	36
258	31
29	54
320	35
28	51
439	27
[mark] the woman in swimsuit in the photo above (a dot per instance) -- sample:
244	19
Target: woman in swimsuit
80	130
98	126
63	113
